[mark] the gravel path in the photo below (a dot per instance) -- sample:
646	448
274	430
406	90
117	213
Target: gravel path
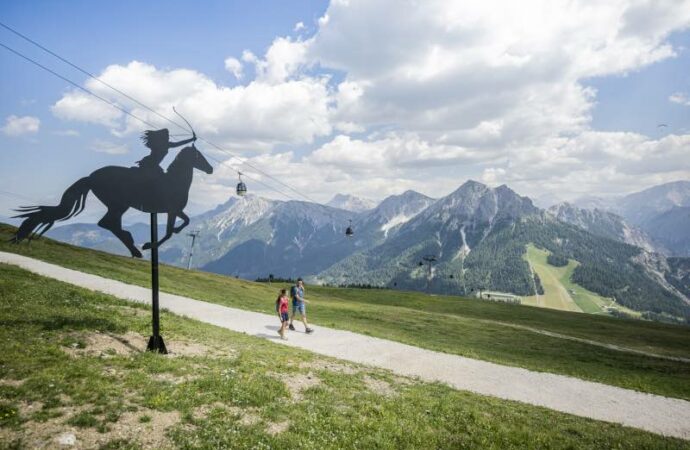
667	416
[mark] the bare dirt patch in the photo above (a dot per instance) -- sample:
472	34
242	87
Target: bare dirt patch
26	409
275	428
203	411
107	344
186	348
297	383
114	372
246	416
322	364
377	386
43	434
404	381
149	434
11	383
136	312
174	379
110	344
56	433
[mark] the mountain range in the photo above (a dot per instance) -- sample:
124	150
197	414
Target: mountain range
476	235
661	212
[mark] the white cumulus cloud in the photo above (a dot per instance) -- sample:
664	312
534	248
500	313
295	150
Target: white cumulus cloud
388	95
389	152
283	59
442	67
18	126
679	98
259	114
234	66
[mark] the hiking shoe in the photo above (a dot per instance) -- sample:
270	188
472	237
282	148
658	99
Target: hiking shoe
309	330
292	327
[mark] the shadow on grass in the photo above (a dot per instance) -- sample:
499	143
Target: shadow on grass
125	342
273	337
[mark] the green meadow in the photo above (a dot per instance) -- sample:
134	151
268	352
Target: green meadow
73	363
469	327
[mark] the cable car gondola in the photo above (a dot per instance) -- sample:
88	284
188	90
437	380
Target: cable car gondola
241	187
349	232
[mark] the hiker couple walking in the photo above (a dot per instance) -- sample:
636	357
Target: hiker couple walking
298	306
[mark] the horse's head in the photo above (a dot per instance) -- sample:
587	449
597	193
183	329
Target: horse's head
193	157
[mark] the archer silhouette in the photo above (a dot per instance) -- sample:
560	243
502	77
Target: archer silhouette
157	141
146	188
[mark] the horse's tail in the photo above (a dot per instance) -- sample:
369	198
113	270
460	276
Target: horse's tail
39	219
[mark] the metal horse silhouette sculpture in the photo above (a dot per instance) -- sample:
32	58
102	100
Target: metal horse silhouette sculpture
146	188
121	188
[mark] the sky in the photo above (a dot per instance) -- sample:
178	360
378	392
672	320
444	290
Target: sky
556	99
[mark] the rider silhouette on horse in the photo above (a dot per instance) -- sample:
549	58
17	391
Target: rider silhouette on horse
158	142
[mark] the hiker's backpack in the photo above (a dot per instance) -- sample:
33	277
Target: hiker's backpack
293	291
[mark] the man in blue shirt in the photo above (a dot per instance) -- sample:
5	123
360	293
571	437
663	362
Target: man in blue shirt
298	305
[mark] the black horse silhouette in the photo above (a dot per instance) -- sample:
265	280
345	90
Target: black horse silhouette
121	188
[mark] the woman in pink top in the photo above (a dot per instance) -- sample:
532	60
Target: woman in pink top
282	310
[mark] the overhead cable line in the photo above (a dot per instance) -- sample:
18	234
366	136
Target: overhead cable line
124	94
125	111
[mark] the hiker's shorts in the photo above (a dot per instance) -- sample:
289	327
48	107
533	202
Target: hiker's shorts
299	307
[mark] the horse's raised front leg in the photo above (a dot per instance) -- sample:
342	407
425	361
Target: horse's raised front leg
185	222
168	231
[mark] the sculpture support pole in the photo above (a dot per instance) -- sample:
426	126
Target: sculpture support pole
427	261
156	343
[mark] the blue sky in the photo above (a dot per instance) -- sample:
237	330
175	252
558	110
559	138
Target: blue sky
639	101
369	98
163	33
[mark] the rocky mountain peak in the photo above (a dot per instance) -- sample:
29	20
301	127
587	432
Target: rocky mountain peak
480	202
601	223
408	199
644	205
351	203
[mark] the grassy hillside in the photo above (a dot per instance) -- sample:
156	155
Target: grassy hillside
560	292
556	294
72	361
450	324
606	267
